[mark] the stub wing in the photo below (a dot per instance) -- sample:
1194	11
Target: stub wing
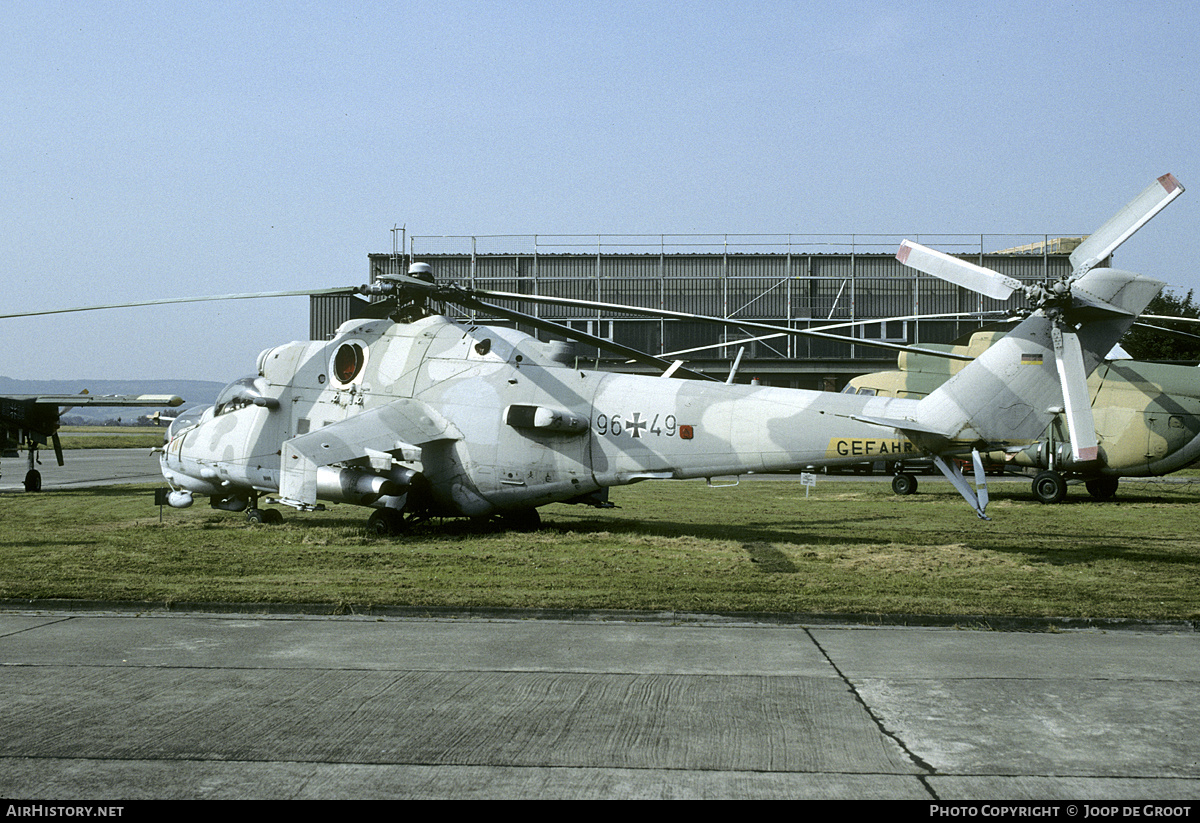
400	425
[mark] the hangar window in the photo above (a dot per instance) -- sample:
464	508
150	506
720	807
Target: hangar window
895	331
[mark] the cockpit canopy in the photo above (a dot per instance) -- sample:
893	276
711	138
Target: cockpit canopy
248	391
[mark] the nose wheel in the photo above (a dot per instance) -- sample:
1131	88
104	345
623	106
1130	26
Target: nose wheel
271	517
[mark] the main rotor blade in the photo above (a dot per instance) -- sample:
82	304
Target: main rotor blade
583	337
162	301
1171	318
1080	425
847	324
1165	330
1121	226
458	294
960	272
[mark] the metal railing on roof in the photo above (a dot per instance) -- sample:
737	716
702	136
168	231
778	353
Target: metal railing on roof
708	244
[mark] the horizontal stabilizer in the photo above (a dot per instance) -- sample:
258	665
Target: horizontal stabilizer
905	426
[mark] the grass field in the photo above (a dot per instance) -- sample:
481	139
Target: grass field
852	547
111	437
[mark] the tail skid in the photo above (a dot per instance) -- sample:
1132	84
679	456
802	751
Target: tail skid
978	498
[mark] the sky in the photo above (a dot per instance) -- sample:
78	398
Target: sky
155	149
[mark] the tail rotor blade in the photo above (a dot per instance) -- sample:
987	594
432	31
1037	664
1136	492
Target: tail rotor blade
960	272
1123	224
981	491
1076	398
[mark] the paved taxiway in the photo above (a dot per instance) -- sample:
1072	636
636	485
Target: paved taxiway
84	468
109	705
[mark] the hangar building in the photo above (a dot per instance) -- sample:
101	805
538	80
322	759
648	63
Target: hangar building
792	281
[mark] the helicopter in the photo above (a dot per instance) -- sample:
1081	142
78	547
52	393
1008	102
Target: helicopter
32	421
417	415
1147	418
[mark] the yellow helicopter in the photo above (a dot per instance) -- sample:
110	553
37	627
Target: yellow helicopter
1146	418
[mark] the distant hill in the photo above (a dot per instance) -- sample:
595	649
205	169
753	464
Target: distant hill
193	392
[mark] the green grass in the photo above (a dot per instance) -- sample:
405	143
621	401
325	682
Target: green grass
111	437
853	547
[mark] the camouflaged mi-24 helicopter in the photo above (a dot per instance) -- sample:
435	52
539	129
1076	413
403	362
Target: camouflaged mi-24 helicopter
416	415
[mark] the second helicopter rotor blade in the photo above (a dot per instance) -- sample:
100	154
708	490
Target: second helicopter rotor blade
1081	426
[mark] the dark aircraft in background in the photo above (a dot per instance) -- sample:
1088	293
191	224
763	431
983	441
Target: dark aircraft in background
31	421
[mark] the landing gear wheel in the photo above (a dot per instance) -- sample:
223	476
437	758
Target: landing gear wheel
256	516
388	523
1049	487
904	484
522	520
33	481
1103	488
272	517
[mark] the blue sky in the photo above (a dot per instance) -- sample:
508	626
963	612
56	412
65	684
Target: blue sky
163	149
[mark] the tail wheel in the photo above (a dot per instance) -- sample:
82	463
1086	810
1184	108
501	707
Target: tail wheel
1049	487
904	484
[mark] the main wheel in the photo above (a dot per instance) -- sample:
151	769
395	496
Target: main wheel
1103	488
33	481
387	523
522	520
1049	487
904	484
